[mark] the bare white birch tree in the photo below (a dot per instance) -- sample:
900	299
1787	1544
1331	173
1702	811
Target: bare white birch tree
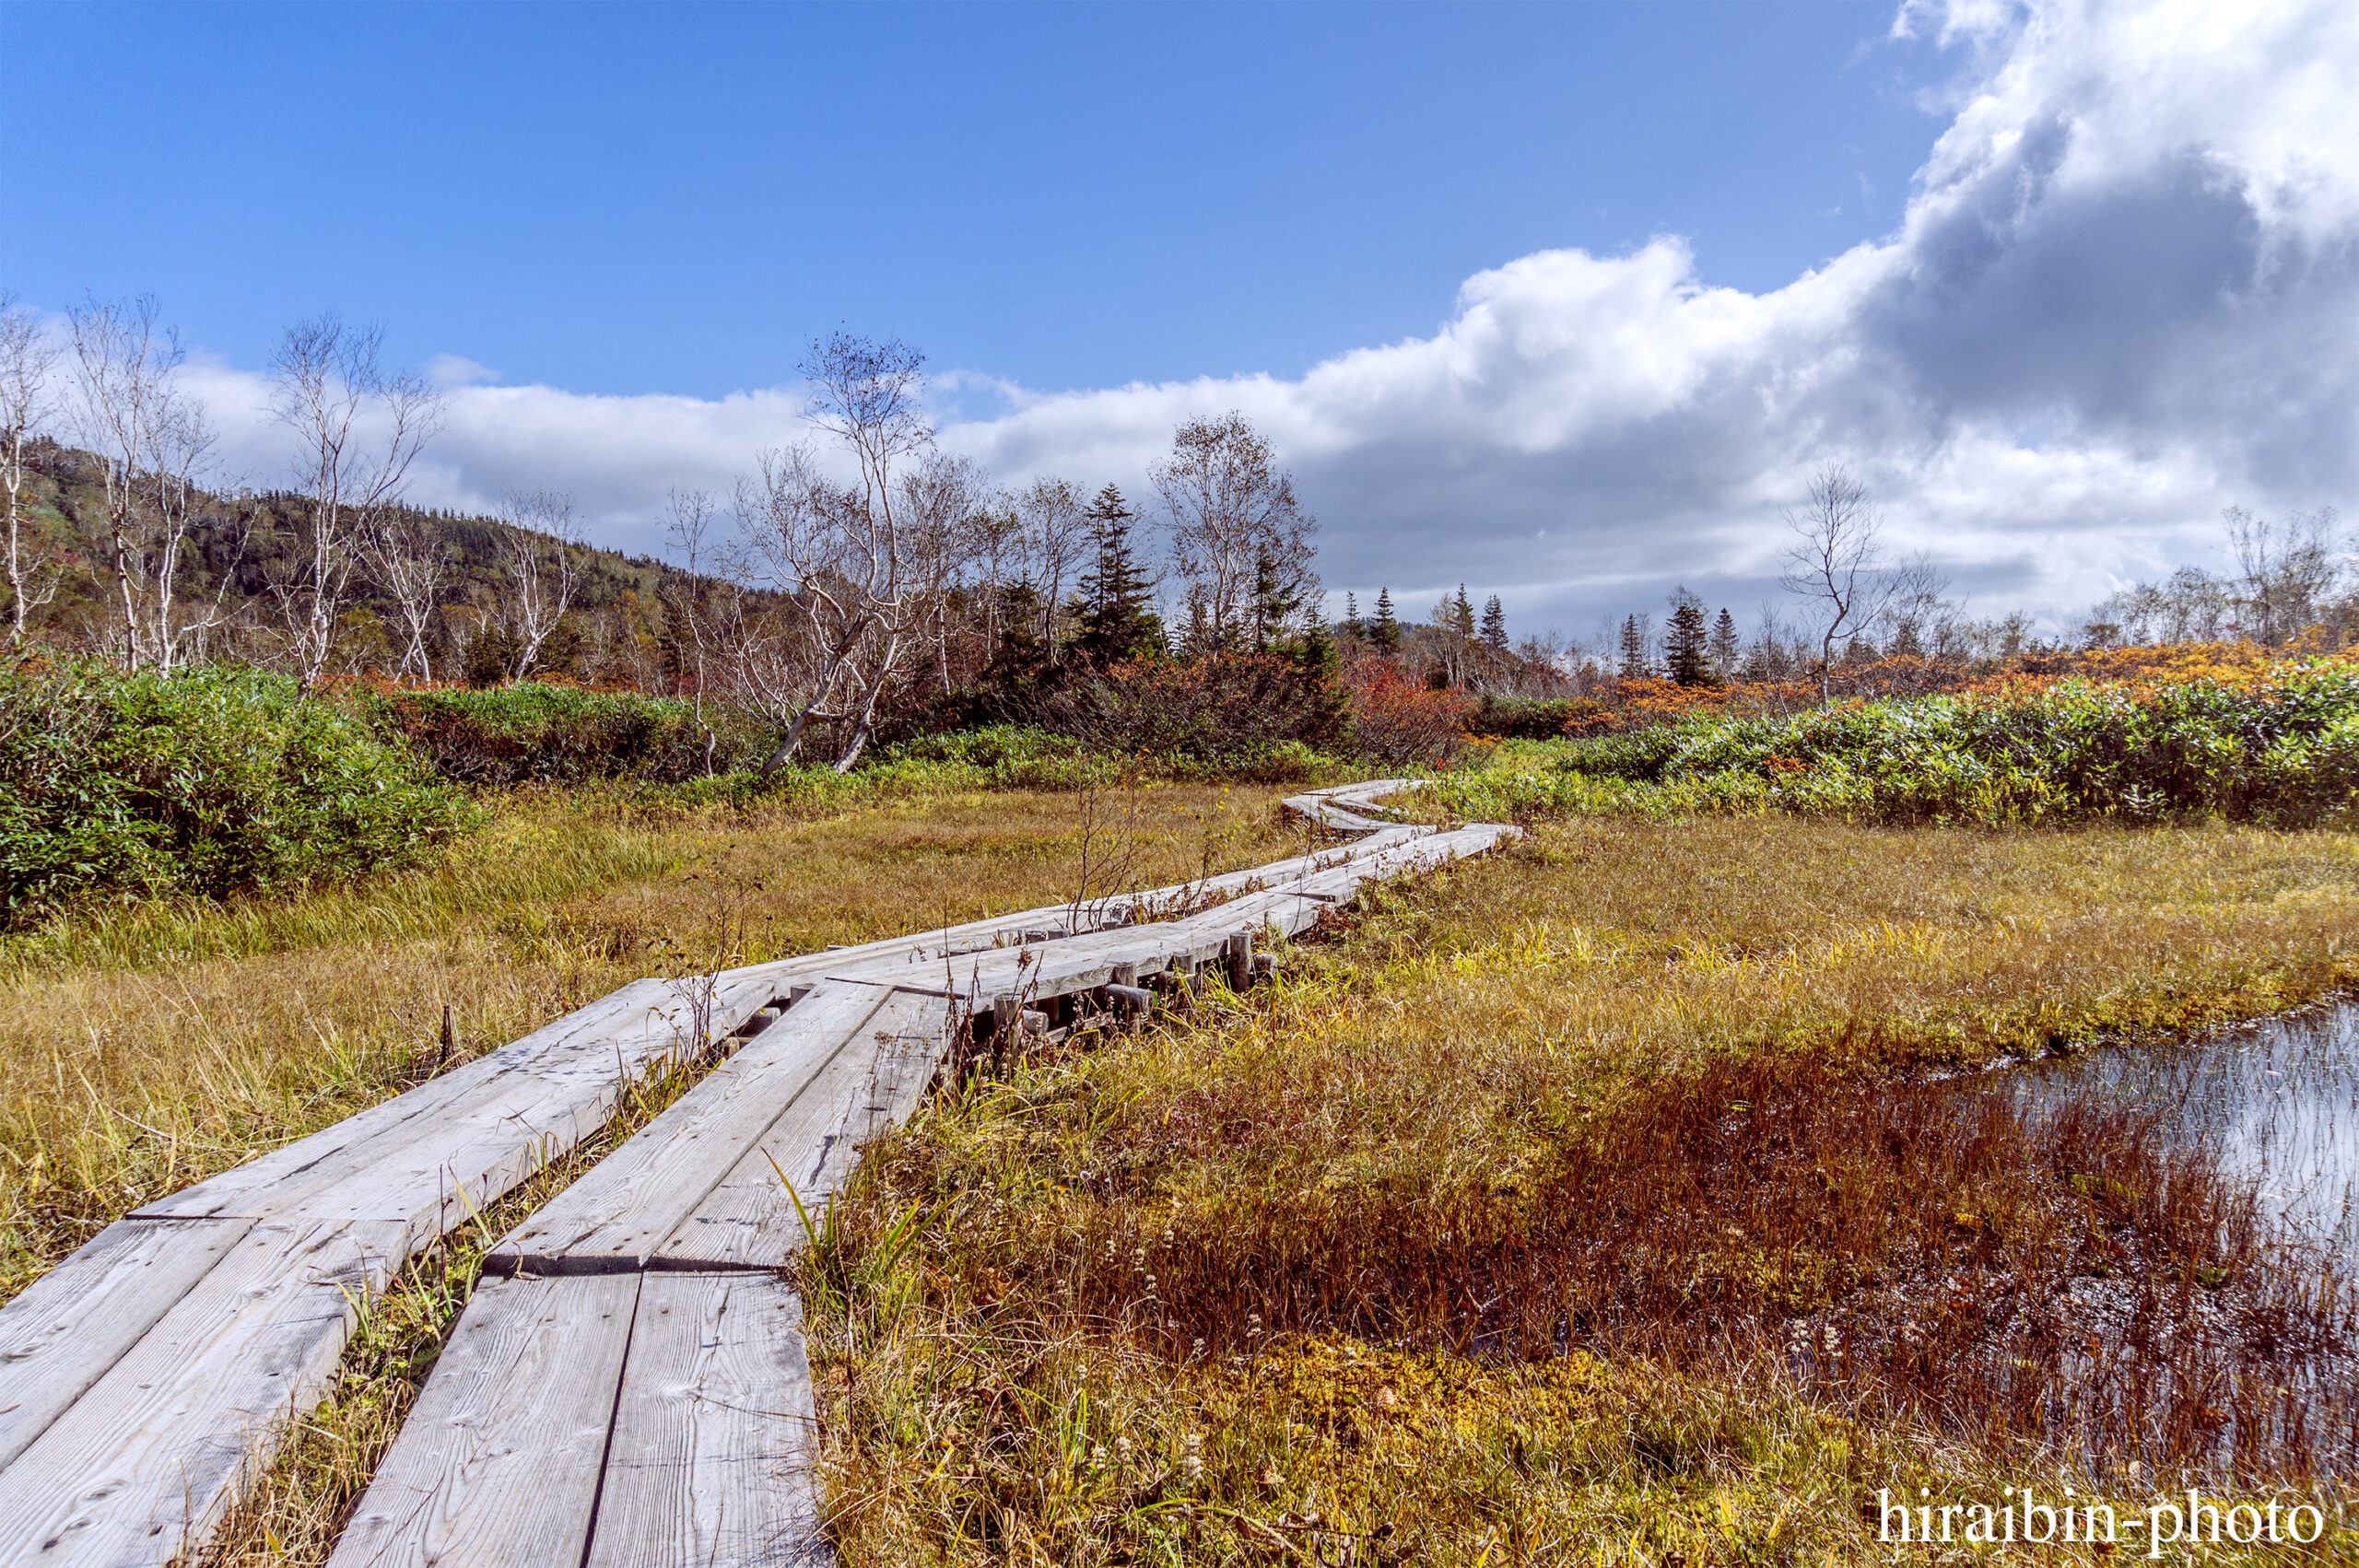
858	567
360	429
403	554
788	660
1058	540
934	522
1835	562
1231	512
2287	572
152	442
997	546
537	549
27	360
688	524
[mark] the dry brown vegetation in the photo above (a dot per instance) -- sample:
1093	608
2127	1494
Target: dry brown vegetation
142	1048
1590	1206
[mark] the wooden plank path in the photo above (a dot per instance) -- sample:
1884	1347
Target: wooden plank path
627	1386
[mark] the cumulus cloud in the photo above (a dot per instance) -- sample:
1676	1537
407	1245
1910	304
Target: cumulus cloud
2125	294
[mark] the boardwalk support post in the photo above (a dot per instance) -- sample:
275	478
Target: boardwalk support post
1007	1013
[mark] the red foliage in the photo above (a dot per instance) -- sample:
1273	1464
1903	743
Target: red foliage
1398	720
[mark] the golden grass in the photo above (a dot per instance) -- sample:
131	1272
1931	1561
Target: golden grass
143	1049
1423	1082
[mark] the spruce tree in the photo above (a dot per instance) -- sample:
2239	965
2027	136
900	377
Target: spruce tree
1724	651
1462	616
1352	627
1116	622
1325	710
1684	645
1495	625
1274	602
1385	630
1634	650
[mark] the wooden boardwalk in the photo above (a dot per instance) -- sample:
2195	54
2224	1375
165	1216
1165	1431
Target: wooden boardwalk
629	1387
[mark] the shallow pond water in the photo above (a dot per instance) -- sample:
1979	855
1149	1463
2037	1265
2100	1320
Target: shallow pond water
2278	1101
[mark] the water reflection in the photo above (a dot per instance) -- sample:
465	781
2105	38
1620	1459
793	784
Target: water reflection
2278	1101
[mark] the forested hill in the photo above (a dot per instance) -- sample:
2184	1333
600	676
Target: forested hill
243	545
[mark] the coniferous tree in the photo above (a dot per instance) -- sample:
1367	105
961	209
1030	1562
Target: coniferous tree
1495	625
1116	621
1724	650
1462	616
1351	626
1385	630
1686	643
1315	660
1634	650
1276	600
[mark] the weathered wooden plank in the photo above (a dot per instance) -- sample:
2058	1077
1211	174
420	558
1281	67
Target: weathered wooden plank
1290	904
710	1460
1341	807
612	1218
145	1462
746	1221
1024	970
331	1155
67	1329
922	950
498	1465
477	1150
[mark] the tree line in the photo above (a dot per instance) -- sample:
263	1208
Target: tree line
866	579
1851	605
863	578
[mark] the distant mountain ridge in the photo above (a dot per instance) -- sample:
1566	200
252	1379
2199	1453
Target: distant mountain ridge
242	545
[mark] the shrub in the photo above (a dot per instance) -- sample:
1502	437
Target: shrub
2284	750
207	781
1525	718
536	732
1229	708
1397	721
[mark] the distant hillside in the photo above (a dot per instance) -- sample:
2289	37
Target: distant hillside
248	541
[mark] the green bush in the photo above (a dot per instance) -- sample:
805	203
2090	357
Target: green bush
1523	718
2283	752
1025	756
537	733
207	781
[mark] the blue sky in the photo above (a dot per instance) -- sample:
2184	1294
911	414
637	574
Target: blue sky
674	199
1561	301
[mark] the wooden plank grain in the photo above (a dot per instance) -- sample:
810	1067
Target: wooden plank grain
65	1331
334	1154
923	953
499	1463
146	1462
710	1459
748	1221
453	1167
614	1217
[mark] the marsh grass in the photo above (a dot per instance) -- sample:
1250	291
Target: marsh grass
1572	1154
146	1048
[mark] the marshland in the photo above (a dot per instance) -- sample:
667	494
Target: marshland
1778	1121
1899	1070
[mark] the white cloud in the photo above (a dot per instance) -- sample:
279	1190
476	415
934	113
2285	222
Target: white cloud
2126	293
448	370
